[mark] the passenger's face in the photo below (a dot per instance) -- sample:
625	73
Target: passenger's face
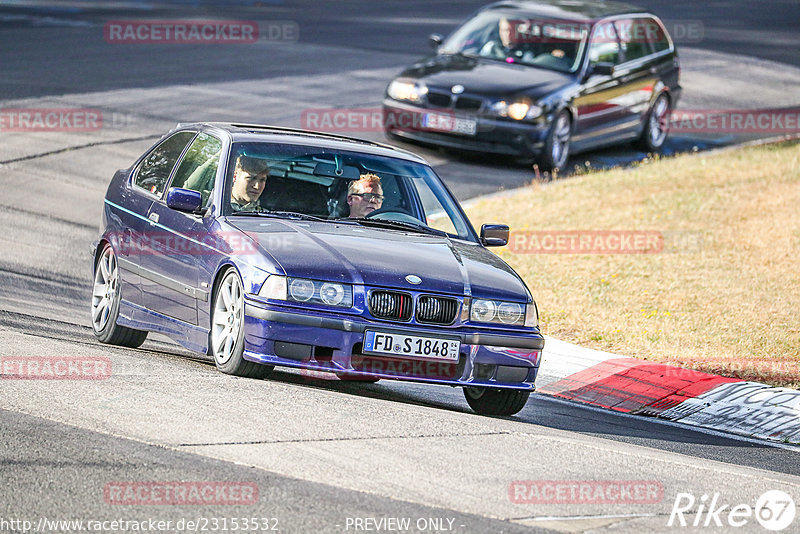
247	187
361	206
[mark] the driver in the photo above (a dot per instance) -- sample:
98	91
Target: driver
365	195
249	179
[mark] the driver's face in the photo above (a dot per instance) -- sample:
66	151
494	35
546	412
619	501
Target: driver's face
504	28
360	206
247	187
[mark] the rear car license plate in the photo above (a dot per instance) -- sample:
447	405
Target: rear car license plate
448	123
405	345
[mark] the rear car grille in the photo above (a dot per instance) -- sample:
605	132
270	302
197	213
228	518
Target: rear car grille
397	306
436	310
390	305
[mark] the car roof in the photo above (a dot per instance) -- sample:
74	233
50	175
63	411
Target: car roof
578	10
241	132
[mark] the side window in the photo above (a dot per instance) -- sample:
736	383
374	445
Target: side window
604	47
154	170
435	214
657	36
198	169
633	37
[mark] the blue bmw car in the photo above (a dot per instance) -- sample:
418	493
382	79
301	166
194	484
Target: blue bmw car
264	246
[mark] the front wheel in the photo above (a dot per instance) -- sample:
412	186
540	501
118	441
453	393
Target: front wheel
105	304
656	125
556	147
226	339
487	401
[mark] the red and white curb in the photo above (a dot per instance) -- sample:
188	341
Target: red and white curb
637	386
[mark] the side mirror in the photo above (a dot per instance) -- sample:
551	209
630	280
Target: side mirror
184	199
494	235
435	40
602	68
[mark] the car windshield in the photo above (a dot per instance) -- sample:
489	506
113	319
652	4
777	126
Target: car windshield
517	38
314	183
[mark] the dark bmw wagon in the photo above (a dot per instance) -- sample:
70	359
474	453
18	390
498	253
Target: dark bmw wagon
541	80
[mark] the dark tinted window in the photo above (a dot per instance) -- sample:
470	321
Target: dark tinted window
604	47
154	170
634	38
198	169
657	35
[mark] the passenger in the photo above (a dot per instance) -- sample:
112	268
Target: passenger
365	195
249	179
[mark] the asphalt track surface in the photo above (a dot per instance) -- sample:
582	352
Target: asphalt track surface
322	453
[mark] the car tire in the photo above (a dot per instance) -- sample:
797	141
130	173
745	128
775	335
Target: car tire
226	335
106	296
556	147
487	401
656	125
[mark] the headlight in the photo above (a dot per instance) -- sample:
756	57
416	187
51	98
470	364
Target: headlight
274	288
307	291
516	110
405	90
498	312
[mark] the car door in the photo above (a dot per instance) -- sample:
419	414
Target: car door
638	72
175	289
147	182
598	109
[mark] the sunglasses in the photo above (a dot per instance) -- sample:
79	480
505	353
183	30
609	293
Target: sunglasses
369	197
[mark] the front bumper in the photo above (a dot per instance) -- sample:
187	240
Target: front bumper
285	337
492	135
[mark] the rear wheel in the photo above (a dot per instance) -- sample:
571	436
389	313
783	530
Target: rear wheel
487	401
105	304
226	339
656	125
556	147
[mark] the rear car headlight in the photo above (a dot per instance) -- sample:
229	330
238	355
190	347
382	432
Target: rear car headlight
407	90
516	110
498	312
307	291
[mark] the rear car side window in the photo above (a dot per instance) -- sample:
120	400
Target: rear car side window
154	170
634	39
198	168
604	47
657	35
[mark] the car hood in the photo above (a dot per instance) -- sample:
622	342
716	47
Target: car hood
383	258
487	77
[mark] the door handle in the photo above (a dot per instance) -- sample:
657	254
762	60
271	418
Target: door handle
153	217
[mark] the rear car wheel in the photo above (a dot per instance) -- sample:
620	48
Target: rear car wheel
656	125
556	147
226	338
105	304
487	401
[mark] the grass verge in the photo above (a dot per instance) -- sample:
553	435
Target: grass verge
720	289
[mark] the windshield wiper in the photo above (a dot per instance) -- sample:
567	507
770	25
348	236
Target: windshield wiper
398	225
281	215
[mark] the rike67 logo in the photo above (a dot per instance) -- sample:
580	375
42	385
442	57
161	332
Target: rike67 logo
774	510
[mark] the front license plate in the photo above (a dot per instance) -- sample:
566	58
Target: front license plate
418	346
447	123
